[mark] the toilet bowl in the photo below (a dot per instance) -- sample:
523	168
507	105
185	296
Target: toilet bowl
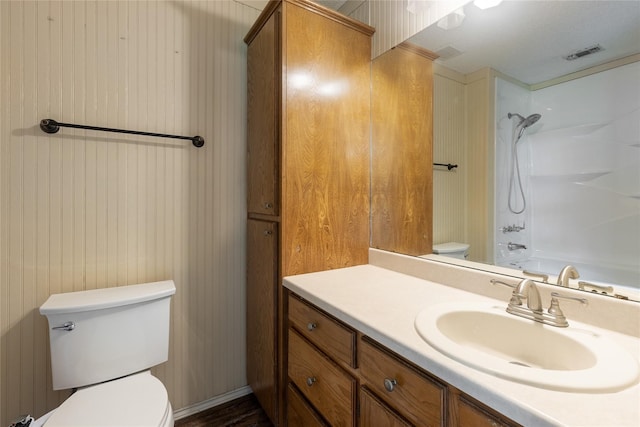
452	249
135	400
103	343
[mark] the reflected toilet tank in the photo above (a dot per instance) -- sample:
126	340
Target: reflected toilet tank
452	249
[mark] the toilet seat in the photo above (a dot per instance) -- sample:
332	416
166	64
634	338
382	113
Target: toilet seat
136	400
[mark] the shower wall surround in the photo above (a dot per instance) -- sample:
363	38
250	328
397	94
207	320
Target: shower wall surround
583	177
84	209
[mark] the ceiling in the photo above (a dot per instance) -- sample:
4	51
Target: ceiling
527	40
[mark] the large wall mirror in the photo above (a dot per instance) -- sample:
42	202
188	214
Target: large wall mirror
537	102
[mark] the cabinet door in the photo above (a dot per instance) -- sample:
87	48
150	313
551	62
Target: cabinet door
375	413
263	106
262	293
471	413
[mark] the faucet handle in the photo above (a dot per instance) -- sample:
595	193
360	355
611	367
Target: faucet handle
555	311
543	276
554	307
515	298
555	295
500	282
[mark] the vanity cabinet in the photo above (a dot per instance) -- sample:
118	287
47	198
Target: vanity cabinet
308	115
379	389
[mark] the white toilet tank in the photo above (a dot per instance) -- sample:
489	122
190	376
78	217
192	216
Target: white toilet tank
103	334
452	249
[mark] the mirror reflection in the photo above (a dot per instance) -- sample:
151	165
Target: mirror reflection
538	104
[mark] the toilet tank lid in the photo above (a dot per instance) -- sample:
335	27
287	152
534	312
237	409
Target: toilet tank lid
97	299
445	248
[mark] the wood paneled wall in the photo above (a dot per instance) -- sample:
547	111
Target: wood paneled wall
83	209
449	146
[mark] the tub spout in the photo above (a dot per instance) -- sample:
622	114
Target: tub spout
515	246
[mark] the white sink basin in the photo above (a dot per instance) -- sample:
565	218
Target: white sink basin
485	337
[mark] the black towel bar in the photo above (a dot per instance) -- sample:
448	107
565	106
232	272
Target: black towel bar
449	166
52	126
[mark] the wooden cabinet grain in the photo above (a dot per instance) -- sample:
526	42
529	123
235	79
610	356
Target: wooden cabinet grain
308	106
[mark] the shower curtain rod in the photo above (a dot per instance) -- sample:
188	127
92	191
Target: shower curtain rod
52	126
449	166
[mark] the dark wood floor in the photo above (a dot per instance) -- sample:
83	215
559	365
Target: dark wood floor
242	412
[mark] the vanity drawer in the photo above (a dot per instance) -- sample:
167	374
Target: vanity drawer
330	335
374	412
329	389
299	413
417	397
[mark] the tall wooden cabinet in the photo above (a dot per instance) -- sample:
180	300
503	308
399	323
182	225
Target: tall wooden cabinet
402	147
308	96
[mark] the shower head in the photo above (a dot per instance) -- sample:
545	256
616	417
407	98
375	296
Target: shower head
530	120
525	122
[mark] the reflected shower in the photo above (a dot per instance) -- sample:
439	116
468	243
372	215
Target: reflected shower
515	167
524	122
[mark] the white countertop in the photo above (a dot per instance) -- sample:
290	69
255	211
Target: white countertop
383	304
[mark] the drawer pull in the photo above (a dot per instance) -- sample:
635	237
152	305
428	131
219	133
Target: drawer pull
390	384
311	326
311	381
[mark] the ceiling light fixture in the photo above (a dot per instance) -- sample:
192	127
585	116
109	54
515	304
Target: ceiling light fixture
486	4
452	20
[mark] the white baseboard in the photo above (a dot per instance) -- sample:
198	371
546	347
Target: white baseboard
210	403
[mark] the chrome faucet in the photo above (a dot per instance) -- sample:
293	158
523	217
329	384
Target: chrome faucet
514	246
527	289
568	272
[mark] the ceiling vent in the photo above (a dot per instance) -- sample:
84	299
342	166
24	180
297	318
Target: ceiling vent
584	52
447	52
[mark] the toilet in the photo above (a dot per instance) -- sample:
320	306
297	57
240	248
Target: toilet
452	249
103	343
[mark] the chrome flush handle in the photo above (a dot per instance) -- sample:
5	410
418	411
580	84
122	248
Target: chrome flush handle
66	326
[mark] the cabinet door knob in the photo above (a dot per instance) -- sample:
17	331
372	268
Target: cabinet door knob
311	381
268	232
390	384
311	326
268	205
